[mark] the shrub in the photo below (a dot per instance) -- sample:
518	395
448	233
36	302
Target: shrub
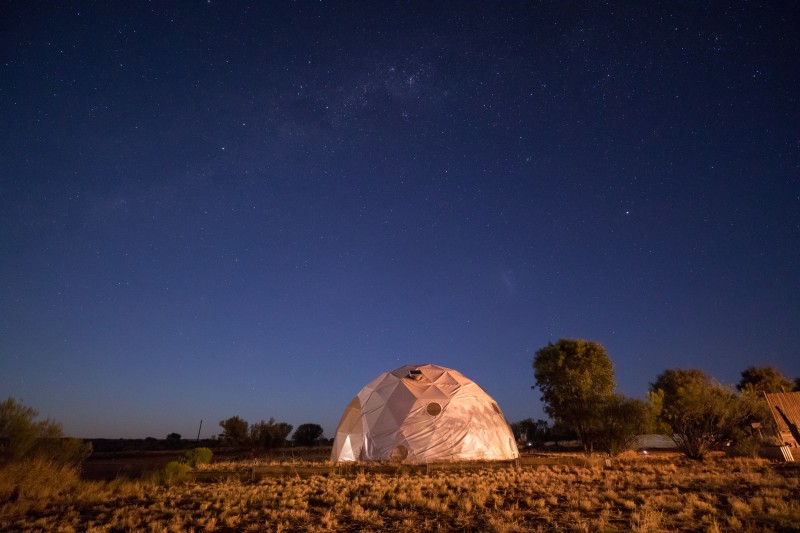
23	437
197	456
747	444
65	450
174	473
35	483
698	413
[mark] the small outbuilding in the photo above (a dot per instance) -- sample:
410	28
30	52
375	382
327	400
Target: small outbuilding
785	408
423	414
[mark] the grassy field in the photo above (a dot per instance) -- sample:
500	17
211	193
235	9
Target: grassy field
655	493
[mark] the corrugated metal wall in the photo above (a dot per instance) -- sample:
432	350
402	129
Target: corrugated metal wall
786	405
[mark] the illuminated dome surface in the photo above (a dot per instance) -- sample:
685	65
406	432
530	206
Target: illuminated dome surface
423	414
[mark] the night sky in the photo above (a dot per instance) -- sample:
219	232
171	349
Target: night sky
219	208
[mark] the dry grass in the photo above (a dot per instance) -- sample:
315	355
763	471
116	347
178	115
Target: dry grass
639	494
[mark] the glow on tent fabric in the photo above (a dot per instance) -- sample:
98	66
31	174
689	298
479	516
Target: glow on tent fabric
423	414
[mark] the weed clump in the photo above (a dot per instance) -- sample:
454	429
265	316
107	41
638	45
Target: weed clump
197	456
174	473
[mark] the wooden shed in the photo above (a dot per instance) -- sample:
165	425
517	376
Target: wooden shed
785	408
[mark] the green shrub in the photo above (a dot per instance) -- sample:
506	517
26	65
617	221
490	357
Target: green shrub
197	456
175	472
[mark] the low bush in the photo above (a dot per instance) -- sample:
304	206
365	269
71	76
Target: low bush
23	437
32	484
197	456
174	473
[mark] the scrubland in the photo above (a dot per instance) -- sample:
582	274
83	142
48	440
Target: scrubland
634	493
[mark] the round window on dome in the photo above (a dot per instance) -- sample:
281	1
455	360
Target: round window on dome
399	453
434	409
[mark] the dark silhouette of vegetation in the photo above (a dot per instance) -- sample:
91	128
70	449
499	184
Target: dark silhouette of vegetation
149	444
307	434
262	435
234	431
174	437
561	434
278	432
530	433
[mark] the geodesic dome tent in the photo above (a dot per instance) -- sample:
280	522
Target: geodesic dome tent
423	414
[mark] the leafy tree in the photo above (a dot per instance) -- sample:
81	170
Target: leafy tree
576	378
307	434
234	431
21	435
280	432
174	437
530	431
622	420
260	434
696	412
761	379
269	434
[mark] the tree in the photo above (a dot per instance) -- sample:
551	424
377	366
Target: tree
234	431
623	419
269	434
307	434
260	434
21	436
761	379
529	431
576	378
174	437
280	432
696	412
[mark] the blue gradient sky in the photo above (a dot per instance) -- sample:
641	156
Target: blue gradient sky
228	208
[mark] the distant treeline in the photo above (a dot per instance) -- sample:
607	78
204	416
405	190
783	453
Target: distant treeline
150	444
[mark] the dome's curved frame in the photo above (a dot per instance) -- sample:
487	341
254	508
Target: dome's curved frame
423	414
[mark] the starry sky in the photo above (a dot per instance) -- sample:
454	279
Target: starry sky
211	209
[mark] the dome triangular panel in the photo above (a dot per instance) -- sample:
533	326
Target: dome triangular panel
423	413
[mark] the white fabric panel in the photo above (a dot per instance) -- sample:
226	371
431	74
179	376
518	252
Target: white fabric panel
392	419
